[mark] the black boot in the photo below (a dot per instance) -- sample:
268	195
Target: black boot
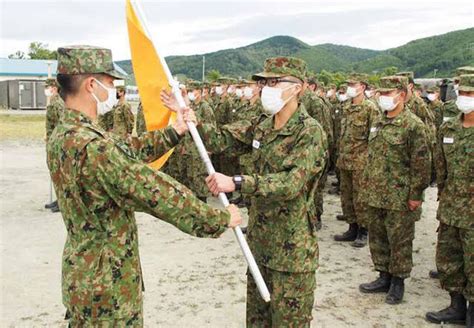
470	316
349	235
361	239
55	209
434	274
319	223
396	291
51	205
340	217
380	285
454	313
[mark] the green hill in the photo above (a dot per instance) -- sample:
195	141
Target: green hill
442	52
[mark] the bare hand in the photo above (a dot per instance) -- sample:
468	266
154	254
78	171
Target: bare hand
180	125
219	182
169	100
235	217
189	115
414	204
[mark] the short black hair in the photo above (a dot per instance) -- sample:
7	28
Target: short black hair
69	83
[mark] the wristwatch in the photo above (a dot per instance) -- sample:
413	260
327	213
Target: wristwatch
238	180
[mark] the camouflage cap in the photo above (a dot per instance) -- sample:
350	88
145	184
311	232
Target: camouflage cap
342	87
432	89
226	80
332	86
50	82
358	78
86	60
390	83
192	84
282	66
466	83
408	74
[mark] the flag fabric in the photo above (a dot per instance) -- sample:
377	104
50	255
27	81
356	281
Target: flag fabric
149	76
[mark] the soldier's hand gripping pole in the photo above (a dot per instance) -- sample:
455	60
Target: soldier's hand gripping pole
254	270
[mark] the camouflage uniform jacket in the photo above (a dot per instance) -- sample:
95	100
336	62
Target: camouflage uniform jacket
123	120
141	125
454	161
285	167
317	109
100	181
249	112
355	127
106	121
399	161
436	108
450	110
53	114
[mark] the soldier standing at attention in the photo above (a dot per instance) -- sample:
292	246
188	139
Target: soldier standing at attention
100	181
395	176
355	127
289	152
123	116
454	160
54	111
141	125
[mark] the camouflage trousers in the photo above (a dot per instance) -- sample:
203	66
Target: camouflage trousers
455	260
318	195
292	299
136	321
391	240
352	206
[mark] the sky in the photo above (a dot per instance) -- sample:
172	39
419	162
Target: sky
197	27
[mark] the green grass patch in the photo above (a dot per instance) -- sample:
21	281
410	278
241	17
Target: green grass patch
18	127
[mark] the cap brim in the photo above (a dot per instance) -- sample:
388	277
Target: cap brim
386	89
116	74
266	75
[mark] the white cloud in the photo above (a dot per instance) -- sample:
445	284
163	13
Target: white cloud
192	27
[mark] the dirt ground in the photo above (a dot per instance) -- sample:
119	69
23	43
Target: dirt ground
190	282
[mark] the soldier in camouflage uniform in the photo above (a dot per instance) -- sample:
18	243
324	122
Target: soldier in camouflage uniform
123	117
289	152
100	180
355	125
54	112
450	108
435	105
317	109
396	174
454	158
141	125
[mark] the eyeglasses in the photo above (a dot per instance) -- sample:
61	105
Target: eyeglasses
271	82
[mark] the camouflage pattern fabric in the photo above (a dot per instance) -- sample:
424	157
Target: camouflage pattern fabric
286	166
391	240
437	109
292	299
141	125
283	66
100	181
86	60
352	205
450	110
455	259
53	114
106	121
123	119
399	161
355	126
454	161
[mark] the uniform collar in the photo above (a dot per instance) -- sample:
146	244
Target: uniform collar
295	120
397	121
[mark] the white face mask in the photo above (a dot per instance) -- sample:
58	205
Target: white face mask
230	90
191	96
342	97
387	103
352	92
219	90
239	93
330	93
248	92
465	104
271	99
431	96
368	93
48	92
107	105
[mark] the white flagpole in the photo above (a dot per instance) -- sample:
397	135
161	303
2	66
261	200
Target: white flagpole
257	276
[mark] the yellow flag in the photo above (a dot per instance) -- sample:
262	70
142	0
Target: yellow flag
150	77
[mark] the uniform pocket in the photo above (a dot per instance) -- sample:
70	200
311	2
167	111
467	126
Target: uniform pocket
359	130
